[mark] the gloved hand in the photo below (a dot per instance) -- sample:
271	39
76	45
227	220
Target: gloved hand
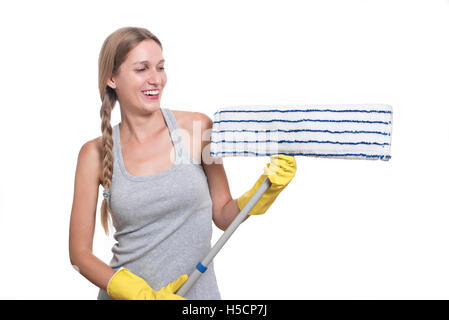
124	285
280	171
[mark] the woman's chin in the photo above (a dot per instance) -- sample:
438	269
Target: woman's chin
151	107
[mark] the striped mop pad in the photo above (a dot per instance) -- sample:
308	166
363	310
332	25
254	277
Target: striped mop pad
358	131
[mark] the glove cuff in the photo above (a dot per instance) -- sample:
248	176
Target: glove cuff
124	285
244	198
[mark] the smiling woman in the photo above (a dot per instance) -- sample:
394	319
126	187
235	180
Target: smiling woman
162	195
158	196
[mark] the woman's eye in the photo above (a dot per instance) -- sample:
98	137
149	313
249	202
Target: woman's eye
140	70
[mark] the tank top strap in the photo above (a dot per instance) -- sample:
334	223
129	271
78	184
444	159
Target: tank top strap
116	141
181	155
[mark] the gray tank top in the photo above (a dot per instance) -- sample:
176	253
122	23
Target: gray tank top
163	221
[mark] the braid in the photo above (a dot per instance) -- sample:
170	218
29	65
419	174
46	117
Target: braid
106	130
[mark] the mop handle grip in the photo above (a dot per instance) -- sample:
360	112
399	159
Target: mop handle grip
202	266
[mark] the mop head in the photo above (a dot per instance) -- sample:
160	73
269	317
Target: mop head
336	131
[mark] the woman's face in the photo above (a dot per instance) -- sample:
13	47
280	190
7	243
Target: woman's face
142	71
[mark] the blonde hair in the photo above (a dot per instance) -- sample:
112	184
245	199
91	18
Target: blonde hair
113	53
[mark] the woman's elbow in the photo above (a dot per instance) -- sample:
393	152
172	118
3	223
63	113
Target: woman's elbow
74	257
219	223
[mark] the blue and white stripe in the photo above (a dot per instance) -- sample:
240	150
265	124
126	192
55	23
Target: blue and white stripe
339	131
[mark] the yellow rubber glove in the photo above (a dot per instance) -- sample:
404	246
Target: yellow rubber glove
280	171
124	285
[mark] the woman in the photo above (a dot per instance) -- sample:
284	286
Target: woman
161	192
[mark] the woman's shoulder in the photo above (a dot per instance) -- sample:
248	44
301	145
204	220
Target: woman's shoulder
91	157
95	146
187	119
92	149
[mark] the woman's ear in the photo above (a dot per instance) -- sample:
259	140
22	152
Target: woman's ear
111	83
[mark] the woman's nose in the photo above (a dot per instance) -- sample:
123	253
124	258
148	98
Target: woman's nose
154	77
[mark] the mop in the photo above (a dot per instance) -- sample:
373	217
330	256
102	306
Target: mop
327	131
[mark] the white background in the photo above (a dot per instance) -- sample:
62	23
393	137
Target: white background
342	229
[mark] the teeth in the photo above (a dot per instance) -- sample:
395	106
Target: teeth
151	92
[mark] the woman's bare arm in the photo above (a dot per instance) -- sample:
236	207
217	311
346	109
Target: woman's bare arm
82	220
224	208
